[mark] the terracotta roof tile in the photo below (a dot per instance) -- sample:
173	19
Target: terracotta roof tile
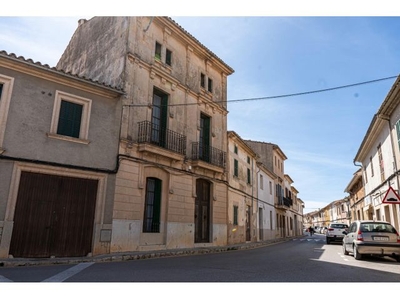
30	61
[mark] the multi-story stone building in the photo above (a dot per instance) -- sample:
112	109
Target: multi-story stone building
355	188
379	157
339	211
242	191
171	189
59	138
296	213
266	203
272	157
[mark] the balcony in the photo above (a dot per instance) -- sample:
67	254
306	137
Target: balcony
155	139
284	203
208	157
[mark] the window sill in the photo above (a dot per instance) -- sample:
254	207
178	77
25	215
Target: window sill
68	138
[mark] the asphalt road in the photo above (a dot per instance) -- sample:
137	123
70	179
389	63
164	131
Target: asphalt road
301	260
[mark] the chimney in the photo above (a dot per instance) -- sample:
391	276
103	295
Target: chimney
82	21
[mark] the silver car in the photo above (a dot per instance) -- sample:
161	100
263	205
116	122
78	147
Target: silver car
370	237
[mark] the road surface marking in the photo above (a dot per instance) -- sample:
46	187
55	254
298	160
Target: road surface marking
60	277
4	279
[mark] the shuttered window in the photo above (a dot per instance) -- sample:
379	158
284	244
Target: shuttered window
1	89
202	80
69	122
398	132
210	85
235	214
157	53
235	168
168	57
152	210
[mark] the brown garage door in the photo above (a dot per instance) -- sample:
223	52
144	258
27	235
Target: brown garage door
54	216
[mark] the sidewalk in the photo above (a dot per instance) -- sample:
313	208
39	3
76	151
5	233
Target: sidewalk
16	262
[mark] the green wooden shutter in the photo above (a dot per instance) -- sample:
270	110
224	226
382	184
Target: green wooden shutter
398	132
159	118
69	122
152	210
235	215
204	143
157	206
236	168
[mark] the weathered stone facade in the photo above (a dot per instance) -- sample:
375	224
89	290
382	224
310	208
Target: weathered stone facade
242	191
32	147
173	132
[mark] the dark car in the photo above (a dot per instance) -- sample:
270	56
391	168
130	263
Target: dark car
370	237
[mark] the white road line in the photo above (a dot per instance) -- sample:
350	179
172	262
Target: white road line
4	279
60	277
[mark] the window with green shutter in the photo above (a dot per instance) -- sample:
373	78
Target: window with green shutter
398	132
157	53
159	118
152	209
248	176
235	168
69	121
204	138
202	80
168	57
210	85
235	214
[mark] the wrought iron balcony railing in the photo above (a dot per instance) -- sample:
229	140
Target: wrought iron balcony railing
285	201
208	154
161	137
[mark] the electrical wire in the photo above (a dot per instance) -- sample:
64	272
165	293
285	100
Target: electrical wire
278	96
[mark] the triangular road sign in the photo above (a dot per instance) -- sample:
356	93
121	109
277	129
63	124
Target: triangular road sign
391	197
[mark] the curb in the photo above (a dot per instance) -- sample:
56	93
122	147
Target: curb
115	257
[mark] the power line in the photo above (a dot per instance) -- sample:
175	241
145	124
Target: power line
280	96
316	91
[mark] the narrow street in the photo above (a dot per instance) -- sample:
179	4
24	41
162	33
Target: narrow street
300	260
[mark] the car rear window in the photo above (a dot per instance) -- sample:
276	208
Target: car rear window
339	226
377	227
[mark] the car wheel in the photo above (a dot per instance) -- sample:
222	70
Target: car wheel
345	252
328	241
356	254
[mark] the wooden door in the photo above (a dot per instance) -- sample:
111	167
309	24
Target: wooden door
248	221
202	211
159	118
54	216
204	139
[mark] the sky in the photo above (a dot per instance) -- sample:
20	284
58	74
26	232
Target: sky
276	48
276	53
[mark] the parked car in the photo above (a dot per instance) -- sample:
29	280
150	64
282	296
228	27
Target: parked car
370	237
335	232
